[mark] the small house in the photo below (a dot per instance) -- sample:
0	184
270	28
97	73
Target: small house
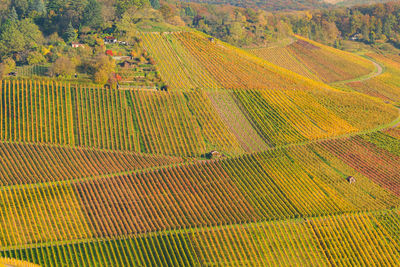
109	53
110	40
351	179
215	155
77	45
211	39
355	37
127	64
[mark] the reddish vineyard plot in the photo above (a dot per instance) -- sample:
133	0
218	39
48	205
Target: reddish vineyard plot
377	164
395	132
329	64
323	165
386	85
385	141
147	201
200	63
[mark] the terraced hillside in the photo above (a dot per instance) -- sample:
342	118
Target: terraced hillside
316	61
240	163
385	86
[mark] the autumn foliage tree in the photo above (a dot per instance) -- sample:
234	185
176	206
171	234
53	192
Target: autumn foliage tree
63	66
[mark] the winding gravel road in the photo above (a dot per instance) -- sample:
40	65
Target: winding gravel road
379	70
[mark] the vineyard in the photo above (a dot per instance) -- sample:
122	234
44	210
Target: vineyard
240	163
385	86
316	61
283	57
132	216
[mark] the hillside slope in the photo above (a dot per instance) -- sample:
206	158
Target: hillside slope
385	86
316	61
239	163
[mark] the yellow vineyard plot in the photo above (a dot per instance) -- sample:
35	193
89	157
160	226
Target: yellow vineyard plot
282	56
39	215
356	240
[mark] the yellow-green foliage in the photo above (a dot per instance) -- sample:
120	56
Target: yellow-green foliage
283	57
40	215
300	173
385	86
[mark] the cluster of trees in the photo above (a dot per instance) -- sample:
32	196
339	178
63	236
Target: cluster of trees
368	23
271	5
244	27
97	66
238	26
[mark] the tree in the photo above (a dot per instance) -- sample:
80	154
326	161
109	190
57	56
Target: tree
388	25
6	67
124	5
38	7
378	28
31	32
92	14
236	31
13	16
63	66
103	67
167	11
17	36
372	37
70	33
155	4
21	7
11	39
35	57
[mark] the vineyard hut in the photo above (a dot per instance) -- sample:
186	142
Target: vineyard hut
355	37
351	179
215	155
127	64
110	40
77	45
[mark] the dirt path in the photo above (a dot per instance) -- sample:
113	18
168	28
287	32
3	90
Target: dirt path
397	124
378	71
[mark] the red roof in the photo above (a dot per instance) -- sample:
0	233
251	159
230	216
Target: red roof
109	52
